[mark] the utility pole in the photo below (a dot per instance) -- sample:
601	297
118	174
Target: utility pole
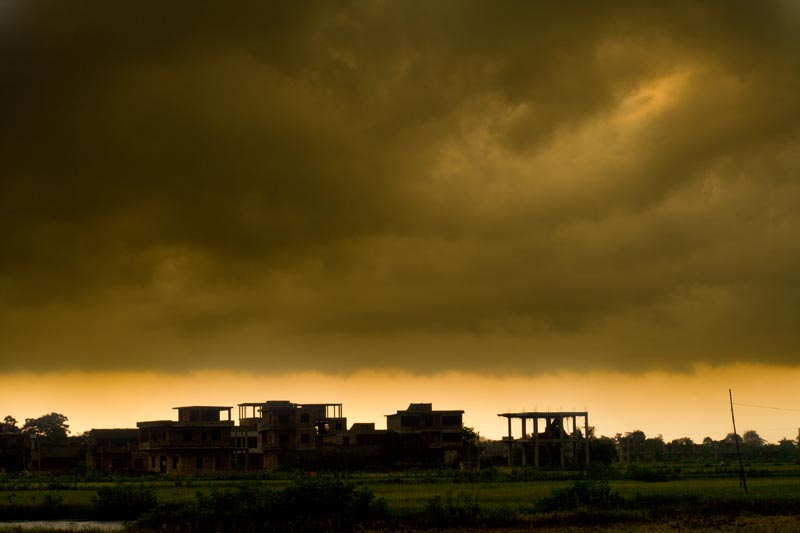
742	480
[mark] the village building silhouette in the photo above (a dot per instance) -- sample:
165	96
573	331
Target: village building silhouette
275	434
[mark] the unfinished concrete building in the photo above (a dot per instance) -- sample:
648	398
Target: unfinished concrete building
248	454
552	440
309	435
433	436
290	433
199	441
277	433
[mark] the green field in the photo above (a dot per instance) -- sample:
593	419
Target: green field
524	494
650	496
406	492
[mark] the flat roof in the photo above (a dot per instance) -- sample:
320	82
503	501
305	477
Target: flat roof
543	414
179	423
434	412
113	430
217	407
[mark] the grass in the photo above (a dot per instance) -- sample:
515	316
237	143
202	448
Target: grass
411	496
432	499
523	494
415	495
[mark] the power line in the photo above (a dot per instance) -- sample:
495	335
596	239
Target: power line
767	407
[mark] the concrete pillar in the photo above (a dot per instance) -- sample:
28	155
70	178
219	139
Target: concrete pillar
586	436
510	440
574	436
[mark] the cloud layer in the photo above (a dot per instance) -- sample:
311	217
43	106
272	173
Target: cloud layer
427	186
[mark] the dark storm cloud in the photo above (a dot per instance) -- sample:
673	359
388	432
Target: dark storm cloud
426	185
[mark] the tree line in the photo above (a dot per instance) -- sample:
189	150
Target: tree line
50	428
636	446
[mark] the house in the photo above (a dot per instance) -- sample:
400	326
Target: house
433	437
290	434
200	441
59	457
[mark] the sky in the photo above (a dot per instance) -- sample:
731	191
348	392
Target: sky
499	206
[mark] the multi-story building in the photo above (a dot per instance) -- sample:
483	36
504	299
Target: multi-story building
199	441
290	432
248	453
432	436
276	433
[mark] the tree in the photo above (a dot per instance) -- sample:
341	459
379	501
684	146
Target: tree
752	444
731	438
470	436
602	450
9	425
654	448
751	438
683	441
471	451
682	448
52	428
637	434
709	449
787	448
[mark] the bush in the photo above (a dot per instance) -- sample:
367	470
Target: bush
308	505
123	502
458	510
585	493
450	512
331	505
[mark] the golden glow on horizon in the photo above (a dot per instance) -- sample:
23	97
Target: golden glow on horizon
675	405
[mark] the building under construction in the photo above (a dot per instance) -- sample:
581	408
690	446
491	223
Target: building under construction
199	441
276	433
549	439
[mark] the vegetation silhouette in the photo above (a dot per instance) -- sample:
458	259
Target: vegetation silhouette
52	428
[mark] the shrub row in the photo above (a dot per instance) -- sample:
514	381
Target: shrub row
305	506
314	504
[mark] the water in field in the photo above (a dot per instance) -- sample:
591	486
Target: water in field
62	525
